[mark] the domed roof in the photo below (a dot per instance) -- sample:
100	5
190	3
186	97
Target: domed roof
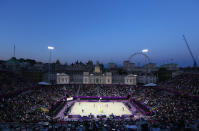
13	61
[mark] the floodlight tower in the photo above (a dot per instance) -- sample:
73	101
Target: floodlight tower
194	60
50	48
146	51
14	51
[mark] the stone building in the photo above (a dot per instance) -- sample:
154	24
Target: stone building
171	66
128	66
112	65
97	77
145	79
62	78
130	79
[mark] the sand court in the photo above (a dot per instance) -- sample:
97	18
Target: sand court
99	108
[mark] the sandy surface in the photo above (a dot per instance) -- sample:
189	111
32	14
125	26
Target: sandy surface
99	108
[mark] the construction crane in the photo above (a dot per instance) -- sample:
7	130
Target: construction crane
194	60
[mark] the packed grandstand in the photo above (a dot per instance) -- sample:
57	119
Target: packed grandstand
172	105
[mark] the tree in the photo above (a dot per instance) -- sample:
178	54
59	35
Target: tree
14	58
32	62
57	62
21	60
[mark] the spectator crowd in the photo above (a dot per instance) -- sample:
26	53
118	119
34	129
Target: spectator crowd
170	111
186	83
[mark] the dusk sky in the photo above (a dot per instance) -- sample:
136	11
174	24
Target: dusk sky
103	30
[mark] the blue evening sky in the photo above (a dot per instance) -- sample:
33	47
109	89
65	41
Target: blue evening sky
104	30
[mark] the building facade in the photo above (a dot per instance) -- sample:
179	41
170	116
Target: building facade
97	78
130	79
62	78
171	67
112	65
145	79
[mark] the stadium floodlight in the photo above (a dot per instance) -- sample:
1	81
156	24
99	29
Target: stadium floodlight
145	50
51	47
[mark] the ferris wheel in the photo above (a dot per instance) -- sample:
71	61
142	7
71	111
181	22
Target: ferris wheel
147	59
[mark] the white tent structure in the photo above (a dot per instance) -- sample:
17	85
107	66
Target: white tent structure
133	127
151	84
43	83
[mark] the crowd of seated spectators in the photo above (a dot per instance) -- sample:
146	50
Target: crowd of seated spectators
108	90
88	90
11	82
101	90
27	106
186	83
70	89
169	110
86	125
